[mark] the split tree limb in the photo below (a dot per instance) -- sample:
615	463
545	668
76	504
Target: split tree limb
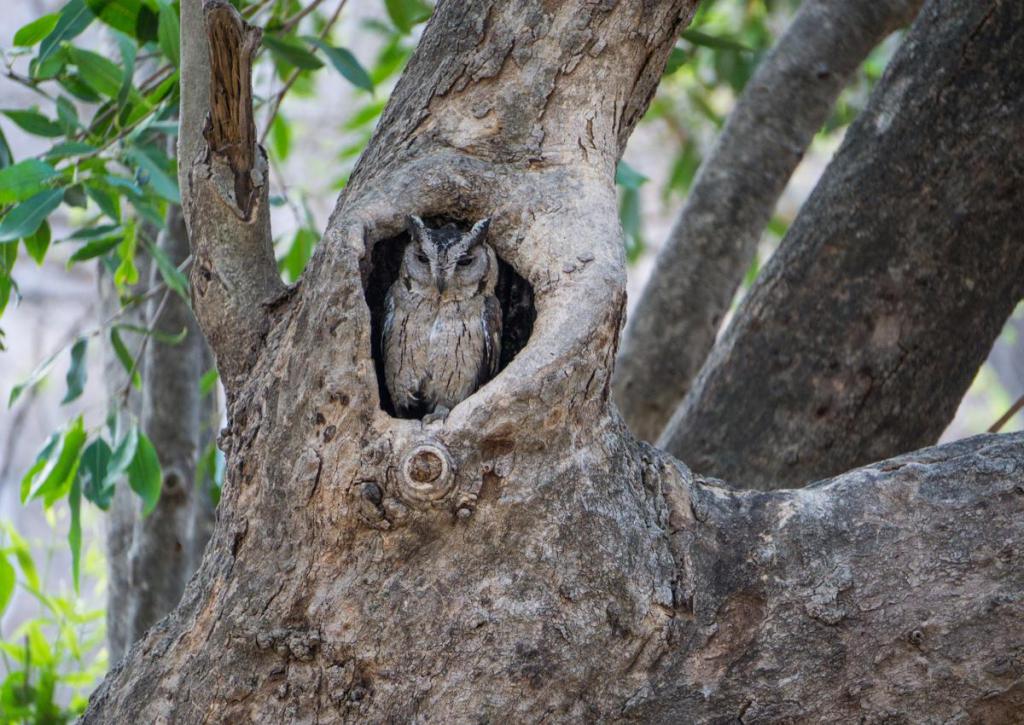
869	323
713	241
234	277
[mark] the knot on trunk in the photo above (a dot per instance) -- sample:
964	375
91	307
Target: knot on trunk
426	474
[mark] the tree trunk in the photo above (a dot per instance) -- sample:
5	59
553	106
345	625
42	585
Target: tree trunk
712	243
161	556
871	320
526	558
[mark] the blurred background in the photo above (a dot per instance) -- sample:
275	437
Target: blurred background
321	125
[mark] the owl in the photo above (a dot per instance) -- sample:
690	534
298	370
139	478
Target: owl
442	322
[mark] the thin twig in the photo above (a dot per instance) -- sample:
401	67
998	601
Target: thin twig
142	346
28	83
1007	415
279	98
287	25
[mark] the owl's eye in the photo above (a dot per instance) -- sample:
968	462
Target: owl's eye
422	258
465	260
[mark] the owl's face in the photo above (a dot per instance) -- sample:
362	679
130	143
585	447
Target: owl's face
445	261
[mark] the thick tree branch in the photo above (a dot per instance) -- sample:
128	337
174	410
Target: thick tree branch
234	277
869	323
713	241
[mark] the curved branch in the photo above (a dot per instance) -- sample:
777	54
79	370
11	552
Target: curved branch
869	323
713	241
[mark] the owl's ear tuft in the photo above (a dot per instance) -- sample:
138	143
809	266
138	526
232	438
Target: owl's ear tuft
479	232
417	229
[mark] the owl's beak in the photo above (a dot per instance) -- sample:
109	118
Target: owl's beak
442	284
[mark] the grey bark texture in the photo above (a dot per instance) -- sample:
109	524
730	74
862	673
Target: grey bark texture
869	323
712	243
526	558
121	396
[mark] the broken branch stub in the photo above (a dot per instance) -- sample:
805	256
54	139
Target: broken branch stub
234	275
230	130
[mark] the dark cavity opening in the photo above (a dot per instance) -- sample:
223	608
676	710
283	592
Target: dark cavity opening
514	293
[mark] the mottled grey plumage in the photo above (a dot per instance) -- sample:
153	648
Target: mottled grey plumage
442	322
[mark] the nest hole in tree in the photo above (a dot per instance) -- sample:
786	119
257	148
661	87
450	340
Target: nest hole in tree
514	294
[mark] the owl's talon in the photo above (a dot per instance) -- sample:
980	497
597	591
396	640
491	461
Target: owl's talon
439	415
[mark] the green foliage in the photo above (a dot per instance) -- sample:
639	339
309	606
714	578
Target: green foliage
50	659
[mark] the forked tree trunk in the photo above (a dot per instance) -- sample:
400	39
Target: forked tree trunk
526	559
869	323
712	243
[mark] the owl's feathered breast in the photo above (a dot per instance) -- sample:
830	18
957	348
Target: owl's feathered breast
438	352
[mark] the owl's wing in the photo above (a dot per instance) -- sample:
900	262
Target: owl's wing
491	322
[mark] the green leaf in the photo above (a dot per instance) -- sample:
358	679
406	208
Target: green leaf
632	226
134	17
127	273
94	248
288	51
719	42
120	458
154	164
29	35
145	474
76	376
55	478
628	177
73	84
37	244
42	458
74	18
676	60
7	580
23	554
109	204
158	335
65	149
101	74
168	34
406	13
172	276
96	459
41	371
34	123
6	157
280	137
294	261
67	116
127	361
24	219
207	382
74	196
24	179
75	529
345	63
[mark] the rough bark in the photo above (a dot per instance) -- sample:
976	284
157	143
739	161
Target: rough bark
869	323
550	566
712	243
